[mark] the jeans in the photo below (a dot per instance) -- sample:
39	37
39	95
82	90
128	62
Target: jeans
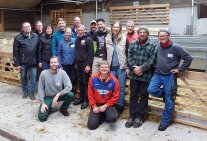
95	119
67	98
28	79
45	65
121	75
96	64
138	98
166	92
83	78
71	72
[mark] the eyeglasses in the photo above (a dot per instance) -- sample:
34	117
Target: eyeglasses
160	36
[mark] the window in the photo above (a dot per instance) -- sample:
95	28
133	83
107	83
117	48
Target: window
202	11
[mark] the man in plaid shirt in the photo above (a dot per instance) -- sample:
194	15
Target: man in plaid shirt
141	56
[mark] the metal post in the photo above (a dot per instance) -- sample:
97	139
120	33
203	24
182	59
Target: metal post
192	18
41	6
96	9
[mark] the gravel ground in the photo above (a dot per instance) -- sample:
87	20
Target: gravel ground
19	117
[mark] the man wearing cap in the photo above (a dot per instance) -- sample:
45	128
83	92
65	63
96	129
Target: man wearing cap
93	28
141	56
99	44
169	55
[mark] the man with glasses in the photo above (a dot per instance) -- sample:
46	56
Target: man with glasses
169	55
25	54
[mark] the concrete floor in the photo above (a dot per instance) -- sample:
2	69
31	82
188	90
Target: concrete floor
19	118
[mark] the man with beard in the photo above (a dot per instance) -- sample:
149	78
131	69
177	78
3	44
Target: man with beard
54	86
99	44
93	28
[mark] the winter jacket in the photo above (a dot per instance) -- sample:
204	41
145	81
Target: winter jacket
99	43
66	52
45	48
56	38
100	92
84	50
169	58
25	49
121	49
143	56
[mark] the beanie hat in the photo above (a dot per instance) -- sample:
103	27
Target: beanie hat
145	28
164	30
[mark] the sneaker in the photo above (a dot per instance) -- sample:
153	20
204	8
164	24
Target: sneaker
64	112
32	97
129	123
137	122
162	127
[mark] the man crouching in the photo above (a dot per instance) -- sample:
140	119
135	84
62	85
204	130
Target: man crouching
54	86
103	93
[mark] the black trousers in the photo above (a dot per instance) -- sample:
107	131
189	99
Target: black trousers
83	78
95	119
138	98
72	73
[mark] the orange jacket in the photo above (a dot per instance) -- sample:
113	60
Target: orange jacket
100	92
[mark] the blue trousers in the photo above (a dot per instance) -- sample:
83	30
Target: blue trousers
166	92
28	79
121	76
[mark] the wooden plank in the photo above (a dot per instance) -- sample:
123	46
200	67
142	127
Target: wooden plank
190	123
187	115
142	6
190	87
193	90
190	75
192	97
182	105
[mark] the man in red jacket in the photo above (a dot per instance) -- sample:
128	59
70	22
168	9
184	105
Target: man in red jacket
103	93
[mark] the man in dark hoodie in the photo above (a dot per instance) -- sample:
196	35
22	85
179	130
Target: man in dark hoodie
99	44
25	54
169	55
84	59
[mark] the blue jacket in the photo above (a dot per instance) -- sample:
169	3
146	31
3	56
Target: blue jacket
56	38
66	52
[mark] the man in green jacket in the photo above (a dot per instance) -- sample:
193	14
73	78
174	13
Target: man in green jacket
141	56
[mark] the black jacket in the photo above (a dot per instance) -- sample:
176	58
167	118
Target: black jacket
99	42
84	50
45	48
25	49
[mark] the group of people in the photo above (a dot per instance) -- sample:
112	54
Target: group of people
99	62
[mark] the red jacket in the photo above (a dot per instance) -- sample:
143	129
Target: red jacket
100	92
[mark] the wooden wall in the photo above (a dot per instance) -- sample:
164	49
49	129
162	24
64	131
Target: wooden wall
1	21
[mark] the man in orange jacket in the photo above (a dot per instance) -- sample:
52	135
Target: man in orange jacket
103	93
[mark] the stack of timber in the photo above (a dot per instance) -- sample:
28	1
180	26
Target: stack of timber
8	74
191	100
67	14
155	14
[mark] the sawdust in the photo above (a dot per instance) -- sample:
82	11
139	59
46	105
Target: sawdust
42	130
